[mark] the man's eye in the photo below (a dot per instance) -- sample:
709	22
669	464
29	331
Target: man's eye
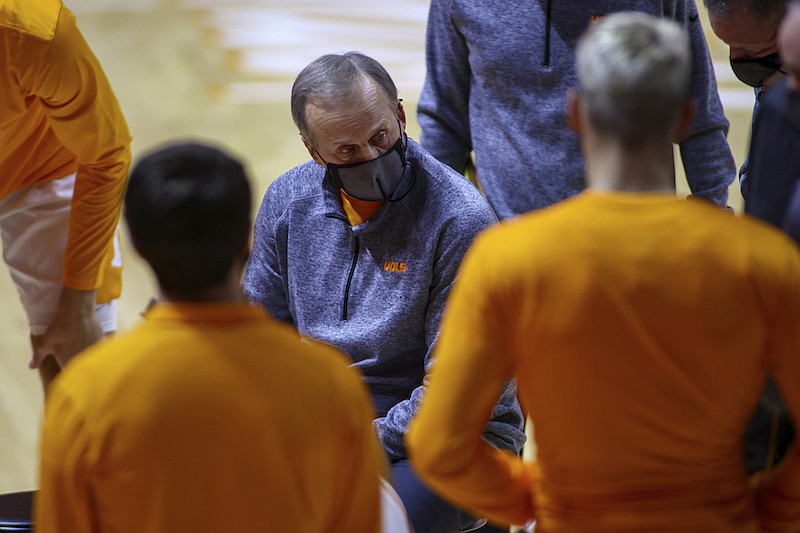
347	150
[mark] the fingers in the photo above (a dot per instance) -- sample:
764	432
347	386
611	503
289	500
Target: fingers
39	353
42	351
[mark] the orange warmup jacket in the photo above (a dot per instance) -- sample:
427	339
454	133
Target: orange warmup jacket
209	418
640	329
58	115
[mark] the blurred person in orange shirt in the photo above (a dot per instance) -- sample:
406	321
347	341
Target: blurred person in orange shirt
64	158
640	327
209	415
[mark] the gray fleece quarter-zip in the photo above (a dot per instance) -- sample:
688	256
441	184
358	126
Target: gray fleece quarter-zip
377	290
497	77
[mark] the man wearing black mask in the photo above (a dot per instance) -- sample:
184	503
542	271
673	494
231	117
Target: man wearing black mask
749	28
775	149
359	247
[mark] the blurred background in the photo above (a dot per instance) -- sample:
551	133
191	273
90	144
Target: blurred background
221	71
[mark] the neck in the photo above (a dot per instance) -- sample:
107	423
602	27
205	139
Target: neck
227	291
614	166
212	295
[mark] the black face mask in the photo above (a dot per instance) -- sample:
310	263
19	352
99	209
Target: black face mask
376	179
754	71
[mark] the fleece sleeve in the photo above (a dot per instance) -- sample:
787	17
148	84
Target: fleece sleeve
474	358
86	117
443	110
706	156
263	281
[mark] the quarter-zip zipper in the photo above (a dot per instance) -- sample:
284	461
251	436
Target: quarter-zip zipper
350	278
547	33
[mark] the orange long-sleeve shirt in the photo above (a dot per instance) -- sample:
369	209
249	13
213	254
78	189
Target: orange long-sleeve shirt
641	329
58	115
209	418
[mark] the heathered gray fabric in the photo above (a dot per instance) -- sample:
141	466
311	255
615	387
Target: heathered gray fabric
491	87
303	252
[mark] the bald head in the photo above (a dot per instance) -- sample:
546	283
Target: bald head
789	43
767	12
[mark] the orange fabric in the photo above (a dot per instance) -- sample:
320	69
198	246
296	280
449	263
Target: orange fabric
110	287
209	418
640	329
58	115
358	211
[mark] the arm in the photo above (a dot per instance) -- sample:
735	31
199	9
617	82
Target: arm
86	118
264	281
504	430
744	170
73	329
443	111
63	503
773	172
706	156
475	356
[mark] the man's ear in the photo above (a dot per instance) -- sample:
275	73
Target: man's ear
684	125
312	152
244	254
401	114
574	111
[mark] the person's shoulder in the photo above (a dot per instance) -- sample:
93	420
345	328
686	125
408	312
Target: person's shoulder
303	180
764	237
300	182
90	375
445	190
545	228
774	99
38	18
314	364
750	237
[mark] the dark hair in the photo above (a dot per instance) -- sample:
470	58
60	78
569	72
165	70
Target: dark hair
763	11
335	77
187	208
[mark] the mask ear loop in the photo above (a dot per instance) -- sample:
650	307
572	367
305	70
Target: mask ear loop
402	153
333	172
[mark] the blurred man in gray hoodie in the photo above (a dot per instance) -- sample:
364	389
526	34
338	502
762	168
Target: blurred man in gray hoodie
496	84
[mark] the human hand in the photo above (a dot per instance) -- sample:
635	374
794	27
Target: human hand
74	328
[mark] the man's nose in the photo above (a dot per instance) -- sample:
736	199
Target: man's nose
369	153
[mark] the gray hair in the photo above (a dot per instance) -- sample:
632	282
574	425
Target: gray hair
633	71
764	11
334	78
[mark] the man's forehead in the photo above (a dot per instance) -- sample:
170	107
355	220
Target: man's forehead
346	125
742	30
